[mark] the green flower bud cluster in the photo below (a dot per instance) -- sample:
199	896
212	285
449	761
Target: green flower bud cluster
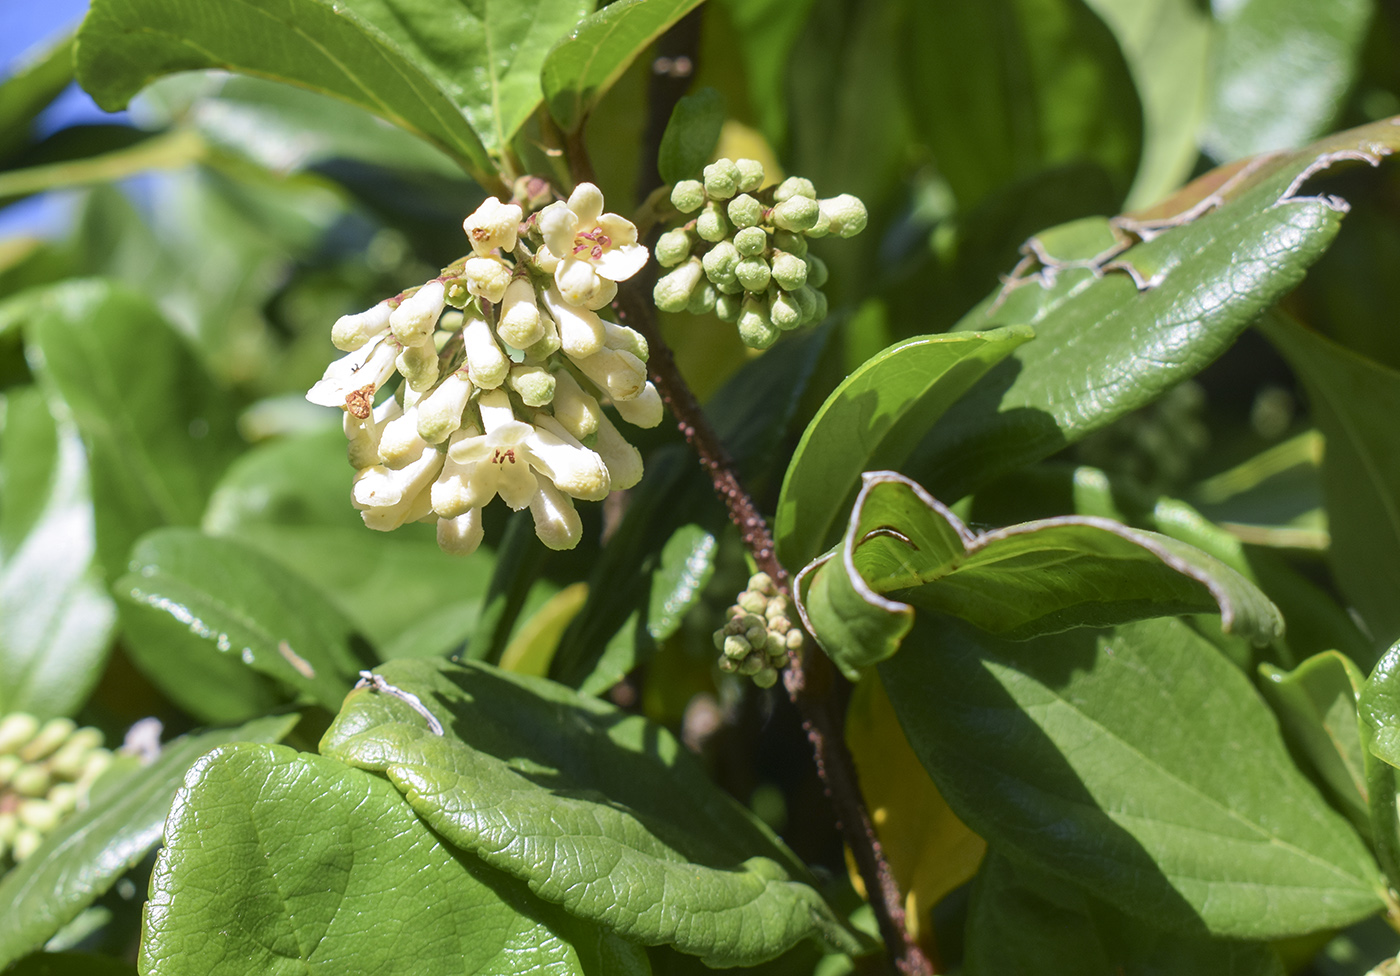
46	769
759	634
744	254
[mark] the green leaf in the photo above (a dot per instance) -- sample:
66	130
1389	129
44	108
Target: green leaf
1354	402
520	557
1003	89
766	31
70	964
88	852
123	45
172	150
196	589
28	88
585	64
290	499
158	430
1282	69
301	864
1221	251
1023	920
56	618
1034	578
871	421
1316	705
690	136
1110	742
600	812
485	55
1379	709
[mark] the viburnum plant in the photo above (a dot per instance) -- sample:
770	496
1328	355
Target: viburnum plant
950	472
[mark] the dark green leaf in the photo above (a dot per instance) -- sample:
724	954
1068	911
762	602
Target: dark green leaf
1316	705
585	64
602	813
86	855
123	45
159	432
690	136
300	863
1028	579
28	89
1355	403
521	554
70	964
1379	709
767	31
1111	743
1023	920
1282	69
239	603
1103	347
56	617
871	421
1002	89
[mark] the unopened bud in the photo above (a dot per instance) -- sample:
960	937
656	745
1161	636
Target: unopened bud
753	274
783	311
744	211
751	241
9	765
487	277
350	332
64	797
9	826
40	814
712	225
688	196
789	271
672	291
68	761
792	242
751	665
719	263
806	299
519	325
752	602
728	307
721	179
796	213
535	384
794	186
493	225
702	299
16	729
622	337
765	677
750	174
736	648
816	271
757	637
440	412
576	410
644	410
487	366
460	536
24	845
755	328
52	735
417	315
673	247
31	781
846	213
793	639
419	365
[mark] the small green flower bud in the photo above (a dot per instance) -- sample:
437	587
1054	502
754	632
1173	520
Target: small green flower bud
728	307
794	186
820	308
40	814
712	225
53	734
731	288
776	651
545	347
16	729
535	384
783	311
806	298
816	271
31	781
727	665
847	214
736	648
765	677
621	337
26	842
68	761
702	299
796	213
763	583
751	242
9	765
750	174
419	365
791	242
750	621
757	638
821	228
789	271
9	826
793	640
97	762
672	291
777	607
744	211
673	247
64	797
779	625
719	637
755	328
720	262
751	665
688	195
721	179
753	274
753	602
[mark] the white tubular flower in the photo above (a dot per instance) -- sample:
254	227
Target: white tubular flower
643	410
417	315
461	535
362	435
574	469
418	364
453	493
387	498
580	330
556	522
440	412
621	337
350	332
623	460
595	250
352	381
519	325
486	364
487	277
399	443
576	409
497	462
619	372
494	224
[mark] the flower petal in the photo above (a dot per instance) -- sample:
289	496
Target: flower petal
587	202
558	224
619	263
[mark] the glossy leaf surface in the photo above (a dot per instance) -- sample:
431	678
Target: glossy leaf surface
596	811
88	852
296	861
1112	741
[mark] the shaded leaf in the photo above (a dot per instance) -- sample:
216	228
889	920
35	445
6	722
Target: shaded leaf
872	421
70	964
56	617
1354	402
173	150
28	88
1379	709
86	855
766	31
1022	581
585	64
123	45
1111	742
602	813
297	861
690	136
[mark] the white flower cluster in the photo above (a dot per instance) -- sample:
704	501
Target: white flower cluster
505	361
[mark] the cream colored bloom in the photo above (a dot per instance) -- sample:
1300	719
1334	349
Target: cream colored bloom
494	224
353	380
595	250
